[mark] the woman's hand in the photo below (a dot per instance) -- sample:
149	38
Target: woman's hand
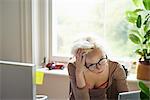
80	60
80	68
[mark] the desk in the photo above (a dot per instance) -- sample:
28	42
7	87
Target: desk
56	83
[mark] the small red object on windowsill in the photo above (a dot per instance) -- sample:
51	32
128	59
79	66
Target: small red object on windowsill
52	65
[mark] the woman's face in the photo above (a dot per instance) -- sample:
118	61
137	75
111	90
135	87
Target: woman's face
96	61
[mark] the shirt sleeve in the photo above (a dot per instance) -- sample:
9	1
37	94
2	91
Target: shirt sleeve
79	93
120	78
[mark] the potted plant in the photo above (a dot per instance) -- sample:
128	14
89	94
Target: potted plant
139	34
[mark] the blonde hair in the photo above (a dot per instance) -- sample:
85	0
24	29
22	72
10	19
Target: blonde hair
88	43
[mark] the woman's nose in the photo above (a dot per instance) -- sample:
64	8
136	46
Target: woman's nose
98	66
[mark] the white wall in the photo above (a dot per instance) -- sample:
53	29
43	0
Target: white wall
16	30
56	87
0	26
10	30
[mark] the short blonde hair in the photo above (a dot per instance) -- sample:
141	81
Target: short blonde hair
88	43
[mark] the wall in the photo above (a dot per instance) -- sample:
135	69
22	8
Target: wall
0	47
16	30
0	27
10	30
56	87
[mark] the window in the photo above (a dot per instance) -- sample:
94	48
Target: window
74	18
63	21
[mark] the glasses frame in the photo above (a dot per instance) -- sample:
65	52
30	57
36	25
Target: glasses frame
98	63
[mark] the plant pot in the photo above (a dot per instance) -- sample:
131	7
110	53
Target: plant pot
143	71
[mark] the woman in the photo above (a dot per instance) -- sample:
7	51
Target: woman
92	75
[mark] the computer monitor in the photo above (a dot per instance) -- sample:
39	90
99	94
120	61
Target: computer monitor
17	81
132	95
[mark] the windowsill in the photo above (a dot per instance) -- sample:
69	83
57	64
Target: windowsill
64	72
131	77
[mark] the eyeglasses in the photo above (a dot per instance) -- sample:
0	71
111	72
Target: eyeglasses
100	62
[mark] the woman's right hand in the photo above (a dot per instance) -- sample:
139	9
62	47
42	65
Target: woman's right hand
80	68
80	60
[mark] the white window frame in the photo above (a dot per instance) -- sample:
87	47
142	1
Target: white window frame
42	32
39	31
51	57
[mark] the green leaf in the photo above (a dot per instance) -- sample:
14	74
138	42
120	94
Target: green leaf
146	4
135	39
139	21
148	32
136	32
131	16
146	27
148	44
145	51
146	19
138	51
144	88
147	16
138	10
145	22
137	2
147	35
144	42
143	96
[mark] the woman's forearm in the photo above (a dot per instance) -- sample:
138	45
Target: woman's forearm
80	80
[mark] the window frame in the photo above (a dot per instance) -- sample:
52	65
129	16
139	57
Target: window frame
50	40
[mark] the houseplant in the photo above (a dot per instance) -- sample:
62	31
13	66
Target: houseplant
139	34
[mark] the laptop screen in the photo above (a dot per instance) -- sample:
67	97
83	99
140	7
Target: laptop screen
17	81
132	95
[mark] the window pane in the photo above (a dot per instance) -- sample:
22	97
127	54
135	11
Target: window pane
72	18
116	32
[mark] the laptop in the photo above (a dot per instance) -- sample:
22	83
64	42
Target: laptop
17	81
132	95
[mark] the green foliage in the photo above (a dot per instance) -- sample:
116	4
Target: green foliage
137	2
139	33
145	91
139	21
146	4
135	39
131	16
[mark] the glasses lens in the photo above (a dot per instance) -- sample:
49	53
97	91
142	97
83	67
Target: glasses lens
92	67
102	62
